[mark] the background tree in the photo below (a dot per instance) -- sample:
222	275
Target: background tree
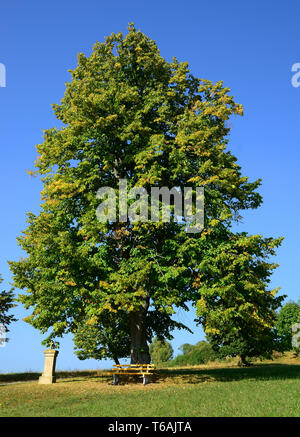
161	351
6	303
288	315
185	348
192	355
128	113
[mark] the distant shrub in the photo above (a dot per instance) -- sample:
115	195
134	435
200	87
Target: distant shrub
288	315
200	353
186	348
161	351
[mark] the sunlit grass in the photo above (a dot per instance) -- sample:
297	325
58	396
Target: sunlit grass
266	389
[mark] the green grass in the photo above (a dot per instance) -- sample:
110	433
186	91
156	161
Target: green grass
268	389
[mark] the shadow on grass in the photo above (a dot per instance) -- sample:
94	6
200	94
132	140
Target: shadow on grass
226	374
181	376
197	376
32	376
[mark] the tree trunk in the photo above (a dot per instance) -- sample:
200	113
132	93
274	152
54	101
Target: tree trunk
242	362
139	347
116	360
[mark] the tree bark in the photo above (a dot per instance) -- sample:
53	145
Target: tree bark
116	360
139	347
242	362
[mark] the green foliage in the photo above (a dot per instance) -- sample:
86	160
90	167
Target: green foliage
6	303
288	315
128	113
186	348
161	351
193	355
236	308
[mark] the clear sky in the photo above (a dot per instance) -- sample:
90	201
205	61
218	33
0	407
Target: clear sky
251	46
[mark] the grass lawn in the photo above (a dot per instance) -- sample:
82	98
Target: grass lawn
267	389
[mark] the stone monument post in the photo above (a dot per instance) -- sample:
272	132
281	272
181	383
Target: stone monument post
48	376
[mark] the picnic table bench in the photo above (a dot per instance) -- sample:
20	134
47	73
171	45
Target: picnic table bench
143	370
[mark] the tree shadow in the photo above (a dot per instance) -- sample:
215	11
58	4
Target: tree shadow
71	375
226	374
18	377
82	375
188	375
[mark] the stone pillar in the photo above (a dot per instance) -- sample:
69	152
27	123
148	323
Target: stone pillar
48	376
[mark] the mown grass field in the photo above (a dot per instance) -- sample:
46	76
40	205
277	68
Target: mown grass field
269	389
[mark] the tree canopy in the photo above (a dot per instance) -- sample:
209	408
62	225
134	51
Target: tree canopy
128	113
108	340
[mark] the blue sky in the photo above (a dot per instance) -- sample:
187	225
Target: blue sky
251	46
